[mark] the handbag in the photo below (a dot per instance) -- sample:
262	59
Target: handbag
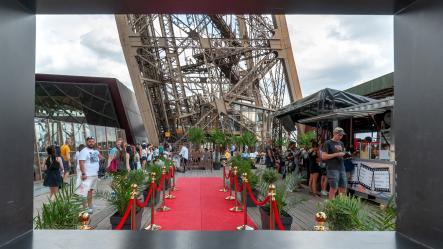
113	166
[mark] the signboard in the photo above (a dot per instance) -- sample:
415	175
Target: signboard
366	176
382	180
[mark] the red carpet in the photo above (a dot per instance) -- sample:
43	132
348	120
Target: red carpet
200	206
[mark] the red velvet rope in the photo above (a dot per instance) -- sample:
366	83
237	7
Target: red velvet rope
229	175
238	189
160	186
257	203
168	175
125	216
145	203
277	216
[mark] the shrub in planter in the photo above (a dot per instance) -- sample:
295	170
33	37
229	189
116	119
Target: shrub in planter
62	212
270	176
121	192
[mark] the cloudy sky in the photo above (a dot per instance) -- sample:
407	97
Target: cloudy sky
330	51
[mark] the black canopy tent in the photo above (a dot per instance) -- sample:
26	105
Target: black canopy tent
321	102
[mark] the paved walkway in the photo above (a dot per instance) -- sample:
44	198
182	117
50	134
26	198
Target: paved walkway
303	206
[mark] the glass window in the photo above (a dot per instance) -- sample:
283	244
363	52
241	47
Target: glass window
42	140
111	136
55	130
121	134
79	134
90	130
101	137
67	131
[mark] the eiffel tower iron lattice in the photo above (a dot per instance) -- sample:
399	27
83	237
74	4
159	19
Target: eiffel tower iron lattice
209	71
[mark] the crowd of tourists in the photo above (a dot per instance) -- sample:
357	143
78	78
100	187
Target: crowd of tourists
91	164
327	165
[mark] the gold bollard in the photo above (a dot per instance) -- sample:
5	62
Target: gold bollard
153	226
271	193
245	208
169	195
163	207
230	197
236	208
174	188
320	218
84	218
134	207
224	189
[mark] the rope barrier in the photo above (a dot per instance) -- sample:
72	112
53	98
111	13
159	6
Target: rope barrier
160	186
229	175
145	203
237	188
277	216
125	216
256	202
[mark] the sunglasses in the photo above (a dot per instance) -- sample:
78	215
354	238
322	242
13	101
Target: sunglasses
89	138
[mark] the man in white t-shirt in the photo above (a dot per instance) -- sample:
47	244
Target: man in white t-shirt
184	153
89	159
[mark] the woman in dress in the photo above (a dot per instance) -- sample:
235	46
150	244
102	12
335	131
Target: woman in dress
54	171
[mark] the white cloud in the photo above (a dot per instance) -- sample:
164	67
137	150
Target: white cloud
340	51
330	51
85	45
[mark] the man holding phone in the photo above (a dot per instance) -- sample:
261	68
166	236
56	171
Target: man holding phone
332	154
89	165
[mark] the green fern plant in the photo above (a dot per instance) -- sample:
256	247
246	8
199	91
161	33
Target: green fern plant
381	220
62	212
344	213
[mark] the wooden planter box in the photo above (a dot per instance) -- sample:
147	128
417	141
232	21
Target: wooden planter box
285	218
115	219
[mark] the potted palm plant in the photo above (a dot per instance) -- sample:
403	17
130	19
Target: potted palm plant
270	176
218	138
196	136
62	212
121	194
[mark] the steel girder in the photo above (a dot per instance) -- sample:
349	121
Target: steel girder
225	71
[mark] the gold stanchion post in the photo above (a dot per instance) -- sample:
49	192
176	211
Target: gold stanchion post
163	207
153	226
134	206
84	218
320	218
245	208
271	193
174	188
169	195
230	197
223	177
236	208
